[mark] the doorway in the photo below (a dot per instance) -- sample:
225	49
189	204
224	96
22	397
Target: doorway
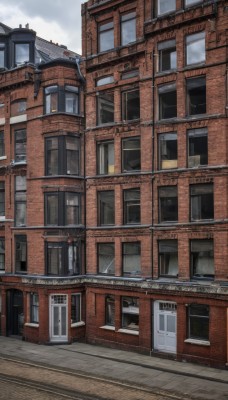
165	326
58	318
15	312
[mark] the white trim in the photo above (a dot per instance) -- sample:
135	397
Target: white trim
32	324
3	158
81	323
2	121
136	333
108	327
18	118
198	342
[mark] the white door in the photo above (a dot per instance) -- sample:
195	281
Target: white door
58	318
165	326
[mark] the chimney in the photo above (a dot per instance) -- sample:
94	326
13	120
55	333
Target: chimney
27	26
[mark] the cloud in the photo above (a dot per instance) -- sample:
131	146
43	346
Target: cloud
56	20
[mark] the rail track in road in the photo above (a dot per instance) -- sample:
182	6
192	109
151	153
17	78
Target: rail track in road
48	383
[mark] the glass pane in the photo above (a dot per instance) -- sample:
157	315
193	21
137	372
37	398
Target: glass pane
131	105
196	48
164	6
106	40
161	322
128	30
106	208
21	53
105	108
171	323
106	254
71	103
56	320
63	321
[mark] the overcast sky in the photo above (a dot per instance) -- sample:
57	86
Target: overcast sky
56	20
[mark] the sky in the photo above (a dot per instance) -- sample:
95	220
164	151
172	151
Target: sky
56	20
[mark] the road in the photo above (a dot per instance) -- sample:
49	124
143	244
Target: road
23	380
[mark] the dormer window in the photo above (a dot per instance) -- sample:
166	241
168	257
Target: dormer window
21	53
2	55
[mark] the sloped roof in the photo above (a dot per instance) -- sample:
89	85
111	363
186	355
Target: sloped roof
51	51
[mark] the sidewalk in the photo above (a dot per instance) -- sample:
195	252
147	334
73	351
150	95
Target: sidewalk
197	381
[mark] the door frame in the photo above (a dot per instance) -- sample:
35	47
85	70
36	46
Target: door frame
157	312
57	338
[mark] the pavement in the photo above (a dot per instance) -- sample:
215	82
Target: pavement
181	378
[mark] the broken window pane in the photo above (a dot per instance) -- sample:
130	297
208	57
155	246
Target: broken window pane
197	147
196	95
105	108
202	259
130	105
195	48
131	206
168	151
167	101
202	202
106	258
168	258
168	204
131	155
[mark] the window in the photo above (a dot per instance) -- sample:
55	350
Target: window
202	259
61	99
20	200
105	108
130	74
165	6
62	258
18	108
62	155
168	151
106	208
76	308
2	110
192	2
110	310
62	208
105	158
2	55
130	105
106	258
197	147
71	99
2	254
105	80
21	53
198	321
168	258
34	308
132	259
196	95
20	253
2	144
131	207
195	48
106	36
168	204
167	55
130	313
128	28
51	99
202	202
167	101
2	199
20	145
131	154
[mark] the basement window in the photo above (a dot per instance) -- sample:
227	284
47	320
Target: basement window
167	55
106	208
131	154
20	253
105	108
198	322
131	199
131	253
167	101
106	258
168	258
106	36
202	202
195	48
130	313
196	95
197	147
128	28
168	151
168	204
105	158
202	259
130	105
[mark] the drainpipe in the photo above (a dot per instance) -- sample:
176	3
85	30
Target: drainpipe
153	160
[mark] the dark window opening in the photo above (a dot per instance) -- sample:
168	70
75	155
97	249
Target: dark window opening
130	74
198	321
62	155
20	253
62	208
2	254
18	108
202	202
20	200
110	310
131	154
131	207
20	145
130	313
167	101
130	105
34	308
202	259
131	259
168	258
2	199
196	95
63	258
168	204
106	258
168	151
105	158
197	147
167	55
106	208
105	108
76	308
61	99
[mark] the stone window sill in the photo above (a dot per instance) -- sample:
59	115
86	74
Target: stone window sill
108	327
32	324
76	324
129	332
198	342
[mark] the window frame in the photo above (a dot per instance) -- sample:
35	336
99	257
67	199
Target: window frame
136	246
18	240
124	151
189	40
61	159
100	249
2	200
132	309
162	258
191	85
74	91
102	101
55	98
195	317
34	308
169	88
16	45
2	255
76	304
194	256
164	47
64	265
104	80
193	3
100	216
198	200
3	52
20	200
167	189
61	208
20	156
126	104
125	19
109	22
110	310
128	203
104	157
195	159
171	10
169	163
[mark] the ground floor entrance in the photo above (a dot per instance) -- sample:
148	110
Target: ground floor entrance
15	312
165	326
58	318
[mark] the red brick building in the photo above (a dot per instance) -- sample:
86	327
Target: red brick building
115	232
156	176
